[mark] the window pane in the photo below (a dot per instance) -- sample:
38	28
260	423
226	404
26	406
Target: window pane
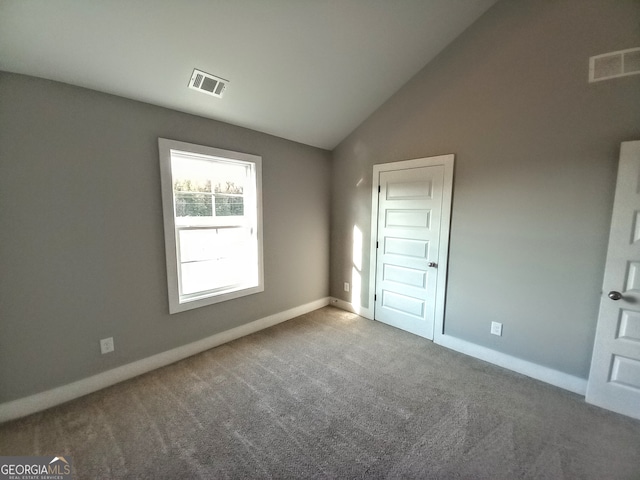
195	183
231	179
210	275
197	245
216	258
220	273
209	244
229	206
192	188
193	205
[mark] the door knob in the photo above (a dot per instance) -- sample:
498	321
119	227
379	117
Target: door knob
613	295
432	264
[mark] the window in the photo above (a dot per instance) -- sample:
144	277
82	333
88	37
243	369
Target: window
212	223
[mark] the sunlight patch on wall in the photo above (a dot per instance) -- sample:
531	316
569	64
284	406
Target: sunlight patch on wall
356	271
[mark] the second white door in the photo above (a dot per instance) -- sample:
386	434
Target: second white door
408	243
614	381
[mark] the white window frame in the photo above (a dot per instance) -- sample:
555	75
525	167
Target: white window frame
176	304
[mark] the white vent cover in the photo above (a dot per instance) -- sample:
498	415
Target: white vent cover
614	64
206	83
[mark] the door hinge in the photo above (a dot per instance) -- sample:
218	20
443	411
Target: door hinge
378	188
375	297
376	244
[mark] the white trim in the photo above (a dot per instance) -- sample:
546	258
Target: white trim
545	374
165	148
548	375
50	398
353	308
447	161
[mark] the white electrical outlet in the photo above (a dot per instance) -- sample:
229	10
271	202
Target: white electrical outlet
496	329
346	286
106	345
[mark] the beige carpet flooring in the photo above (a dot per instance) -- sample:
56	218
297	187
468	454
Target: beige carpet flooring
332	395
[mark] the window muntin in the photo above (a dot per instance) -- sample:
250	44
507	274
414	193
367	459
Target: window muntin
213	232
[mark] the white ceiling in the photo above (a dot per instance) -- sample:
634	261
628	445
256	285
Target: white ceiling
306	70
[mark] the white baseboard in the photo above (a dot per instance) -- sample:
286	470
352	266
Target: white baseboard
350	307
50	398
554	377
545	374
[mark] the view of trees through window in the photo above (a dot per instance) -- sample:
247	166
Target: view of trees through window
212	214
195	198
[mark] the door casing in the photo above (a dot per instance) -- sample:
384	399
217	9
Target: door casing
447	161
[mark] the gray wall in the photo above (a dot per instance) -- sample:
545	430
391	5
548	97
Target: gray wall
536	155
81	237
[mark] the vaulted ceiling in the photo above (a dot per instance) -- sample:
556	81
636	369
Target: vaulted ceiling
306	70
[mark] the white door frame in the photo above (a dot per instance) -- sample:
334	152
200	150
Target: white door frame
447	162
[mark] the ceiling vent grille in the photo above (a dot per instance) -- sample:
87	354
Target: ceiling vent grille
206	83
614	64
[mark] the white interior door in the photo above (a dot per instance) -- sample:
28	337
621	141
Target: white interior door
409	227
614	381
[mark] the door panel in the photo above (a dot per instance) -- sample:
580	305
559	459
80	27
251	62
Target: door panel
614	380
408	218
409	190
407	276
406	247
409	213
629	326
403	304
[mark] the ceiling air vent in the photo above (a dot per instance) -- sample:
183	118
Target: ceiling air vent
207	83
614	64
